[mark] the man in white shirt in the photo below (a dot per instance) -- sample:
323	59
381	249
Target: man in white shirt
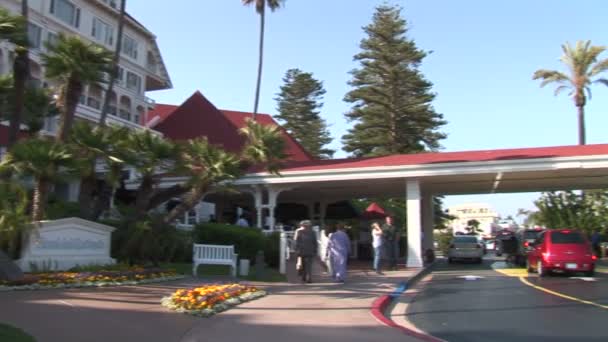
242	221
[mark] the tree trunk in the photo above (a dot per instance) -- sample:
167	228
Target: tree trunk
143	197
581	125
21	73
189	202
260	62
115	62
41	192
165	195
73	91
88	186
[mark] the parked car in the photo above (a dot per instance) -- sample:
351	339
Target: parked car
525	239
503	241
561	250
490	244
465	247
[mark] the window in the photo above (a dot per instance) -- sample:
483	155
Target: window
111	3
121	76
102	32
34	35
66	11
567	237
52	39
465	239
129	47
133	82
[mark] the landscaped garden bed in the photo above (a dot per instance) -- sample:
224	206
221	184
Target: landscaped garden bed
91	278
210	299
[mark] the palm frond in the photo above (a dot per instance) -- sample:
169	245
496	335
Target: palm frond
561	88
603	81
550	76
265	145
599	67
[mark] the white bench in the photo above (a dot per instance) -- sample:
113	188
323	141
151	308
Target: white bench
214	255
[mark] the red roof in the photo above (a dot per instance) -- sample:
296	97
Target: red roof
450	157
198	117
162	111
4	135
373	211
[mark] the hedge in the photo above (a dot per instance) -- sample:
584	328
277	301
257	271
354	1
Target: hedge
247	241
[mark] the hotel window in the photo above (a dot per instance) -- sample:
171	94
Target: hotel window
102	32
129	47
112	3
51	39
34	35
133	82
66	11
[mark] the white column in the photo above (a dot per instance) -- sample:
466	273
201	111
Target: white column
272	204
259	210
414	224
428	222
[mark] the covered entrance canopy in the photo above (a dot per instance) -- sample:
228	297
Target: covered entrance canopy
418	177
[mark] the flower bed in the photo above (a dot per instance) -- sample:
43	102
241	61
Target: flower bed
52	280
210	299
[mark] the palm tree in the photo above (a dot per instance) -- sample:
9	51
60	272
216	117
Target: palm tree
206	165
14	29
74	64
42	159
93	146
152	157
583	65
115	61
13	217
260	8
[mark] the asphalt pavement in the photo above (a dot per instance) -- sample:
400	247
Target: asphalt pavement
470	302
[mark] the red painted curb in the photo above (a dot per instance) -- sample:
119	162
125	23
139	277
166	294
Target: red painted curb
377	310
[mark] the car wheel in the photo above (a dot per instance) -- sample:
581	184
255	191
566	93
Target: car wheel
540	269
529	266
590	273
479	260
498	253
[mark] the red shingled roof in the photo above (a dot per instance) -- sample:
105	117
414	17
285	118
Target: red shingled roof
450	157
162	111
198	117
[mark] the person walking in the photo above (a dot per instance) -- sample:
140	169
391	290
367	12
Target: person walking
338	250
377	245
306	248
390	235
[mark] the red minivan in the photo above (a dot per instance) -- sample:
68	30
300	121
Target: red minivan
561	250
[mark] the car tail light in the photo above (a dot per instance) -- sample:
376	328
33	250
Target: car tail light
593	257
526	244
566	231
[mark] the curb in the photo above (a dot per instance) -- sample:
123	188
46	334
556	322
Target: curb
380	305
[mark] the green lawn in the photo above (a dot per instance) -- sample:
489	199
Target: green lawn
270	274
12	334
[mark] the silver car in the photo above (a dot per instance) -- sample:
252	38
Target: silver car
465	247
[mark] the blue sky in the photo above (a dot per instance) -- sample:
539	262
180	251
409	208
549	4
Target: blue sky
484	54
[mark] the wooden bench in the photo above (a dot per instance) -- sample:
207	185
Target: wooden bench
214	255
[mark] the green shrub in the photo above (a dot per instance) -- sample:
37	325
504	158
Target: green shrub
272	249
143	243
247	241
58	209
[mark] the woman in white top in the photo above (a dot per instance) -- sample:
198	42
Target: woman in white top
377	244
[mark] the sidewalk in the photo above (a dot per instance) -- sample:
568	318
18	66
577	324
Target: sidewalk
296	312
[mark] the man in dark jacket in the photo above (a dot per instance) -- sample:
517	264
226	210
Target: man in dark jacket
306	248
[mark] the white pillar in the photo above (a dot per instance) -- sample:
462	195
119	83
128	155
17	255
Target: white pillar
428	222
257	196
272	204
414	224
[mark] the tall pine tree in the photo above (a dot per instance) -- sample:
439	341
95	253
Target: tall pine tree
392	101
299	104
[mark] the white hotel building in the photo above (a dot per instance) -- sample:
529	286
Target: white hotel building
141	64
